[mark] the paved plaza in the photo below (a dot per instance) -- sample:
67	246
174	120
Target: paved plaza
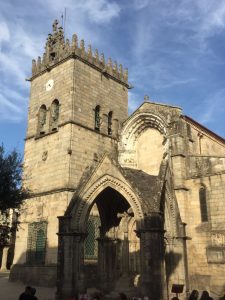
12	290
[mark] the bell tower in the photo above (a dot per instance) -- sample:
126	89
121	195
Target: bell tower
78	102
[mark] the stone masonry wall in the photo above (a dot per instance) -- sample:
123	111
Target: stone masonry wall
61	157
92	88
43	208
203	260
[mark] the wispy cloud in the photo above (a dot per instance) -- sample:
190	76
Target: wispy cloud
213	108
21	40
101	11
4	32
140	4
172	48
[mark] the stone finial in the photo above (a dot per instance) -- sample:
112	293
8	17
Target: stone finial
125	75
57	49
82	47
89	52
74	41
55	25
60	35
34	66
96	54
121	71
102	59
146	98
44	60
109	64
67	46
115	67
39	63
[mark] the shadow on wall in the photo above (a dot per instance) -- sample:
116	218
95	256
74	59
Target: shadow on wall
172	260
1	250
34	273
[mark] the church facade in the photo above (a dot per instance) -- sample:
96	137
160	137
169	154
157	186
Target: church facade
118	203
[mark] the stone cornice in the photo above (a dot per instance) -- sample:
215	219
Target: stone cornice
74	123
53	191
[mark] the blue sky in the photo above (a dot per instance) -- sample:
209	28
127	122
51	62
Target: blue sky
174	50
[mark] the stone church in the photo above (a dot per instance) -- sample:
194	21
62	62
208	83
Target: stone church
118	203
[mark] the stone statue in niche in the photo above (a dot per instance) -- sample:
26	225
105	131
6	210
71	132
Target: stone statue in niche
55	112
97	120
42	118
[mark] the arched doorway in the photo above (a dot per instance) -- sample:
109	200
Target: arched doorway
111	247
120	215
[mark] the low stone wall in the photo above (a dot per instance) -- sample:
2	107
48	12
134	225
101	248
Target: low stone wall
34	275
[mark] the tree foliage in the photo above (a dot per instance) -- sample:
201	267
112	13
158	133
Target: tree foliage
11	190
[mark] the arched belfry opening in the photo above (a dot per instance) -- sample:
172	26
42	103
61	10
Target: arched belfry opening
111	247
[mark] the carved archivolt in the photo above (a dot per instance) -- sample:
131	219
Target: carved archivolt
87	197
139	123
133	129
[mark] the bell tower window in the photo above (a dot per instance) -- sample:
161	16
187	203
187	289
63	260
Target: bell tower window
54	117
97	117
42	115
110	123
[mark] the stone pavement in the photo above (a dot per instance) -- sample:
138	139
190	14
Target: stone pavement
12	290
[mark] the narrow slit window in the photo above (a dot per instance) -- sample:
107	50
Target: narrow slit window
203	204
97	117
110	123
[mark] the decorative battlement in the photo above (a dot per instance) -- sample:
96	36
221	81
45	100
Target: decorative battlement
57	50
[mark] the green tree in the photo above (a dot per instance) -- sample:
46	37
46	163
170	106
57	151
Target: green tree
11	191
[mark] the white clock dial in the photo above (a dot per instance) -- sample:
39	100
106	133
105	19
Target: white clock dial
49	85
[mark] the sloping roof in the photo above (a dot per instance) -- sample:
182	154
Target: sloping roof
147	186
203	128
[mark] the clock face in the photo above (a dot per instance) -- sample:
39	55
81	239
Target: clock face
49	85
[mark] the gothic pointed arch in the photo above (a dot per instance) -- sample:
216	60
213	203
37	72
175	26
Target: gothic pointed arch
85	200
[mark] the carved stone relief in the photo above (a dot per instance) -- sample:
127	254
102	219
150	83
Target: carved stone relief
218	239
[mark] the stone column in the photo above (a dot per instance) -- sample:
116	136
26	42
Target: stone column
78	278
4	258
125	243
152	258
63	283
102	262
107	261
69	273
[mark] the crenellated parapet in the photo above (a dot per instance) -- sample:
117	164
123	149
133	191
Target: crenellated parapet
57	49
